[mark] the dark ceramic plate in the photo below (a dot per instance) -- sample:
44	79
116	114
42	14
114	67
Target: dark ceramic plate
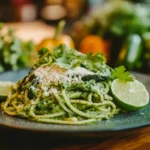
120	122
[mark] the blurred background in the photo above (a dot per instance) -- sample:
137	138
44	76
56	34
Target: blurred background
120	29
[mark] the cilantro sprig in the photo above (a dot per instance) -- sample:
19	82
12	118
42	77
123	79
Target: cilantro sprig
70	58
121	73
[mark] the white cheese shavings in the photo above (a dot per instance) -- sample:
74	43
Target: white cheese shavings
79	71
59	76
53	90
46	93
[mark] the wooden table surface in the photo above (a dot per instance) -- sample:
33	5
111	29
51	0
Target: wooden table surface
133	139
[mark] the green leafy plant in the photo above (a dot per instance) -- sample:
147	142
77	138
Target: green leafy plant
116	22
14	52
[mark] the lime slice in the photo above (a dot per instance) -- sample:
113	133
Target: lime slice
129	95
5	87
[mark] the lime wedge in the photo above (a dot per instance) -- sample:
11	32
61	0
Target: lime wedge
5	87
129	95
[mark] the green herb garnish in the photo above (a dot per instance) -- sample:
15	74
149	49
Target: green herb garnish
70	58
121	73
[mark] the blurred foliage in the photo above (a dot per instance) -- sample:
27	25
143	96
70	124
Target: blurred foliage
14	53
119	18
116	21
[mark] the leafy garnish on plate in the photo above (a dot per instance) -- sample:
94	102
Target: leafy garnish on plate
70	58
121	73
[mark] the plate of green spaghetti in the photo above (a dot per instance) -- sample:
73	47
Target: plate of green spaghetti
70	91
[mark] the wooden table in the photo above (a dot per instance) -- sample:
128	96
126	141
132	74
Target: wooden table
134	139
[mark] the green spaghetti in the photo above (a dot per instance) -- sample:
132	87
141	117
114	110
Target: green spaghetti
66	87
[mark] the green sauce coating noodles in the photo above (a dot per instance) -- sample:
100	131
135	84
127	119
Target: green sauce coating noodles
65	107
50	93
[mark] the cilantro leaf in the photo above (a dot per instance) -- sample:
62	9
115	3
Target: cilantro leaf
44	57
121	73
95	62
68	58
42	52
